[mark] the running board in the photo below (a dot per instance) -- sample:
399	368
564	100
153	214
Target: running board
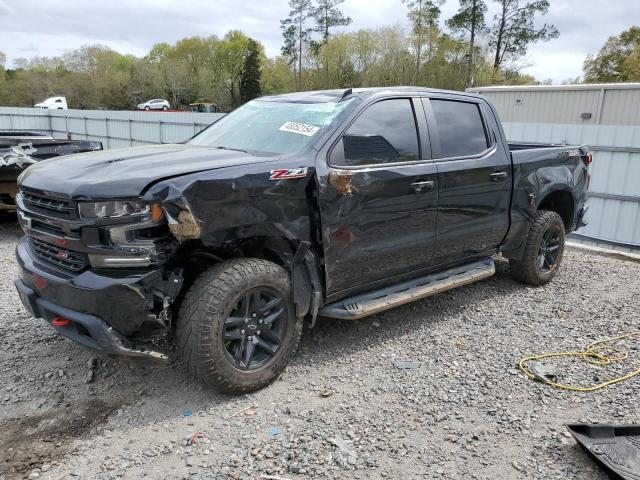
377	301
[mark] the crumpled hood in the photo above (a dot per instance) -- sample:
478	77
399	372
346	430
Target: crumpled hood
127	172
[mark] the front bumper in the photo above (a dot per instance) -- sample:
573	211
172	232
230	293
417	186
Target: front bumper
103	308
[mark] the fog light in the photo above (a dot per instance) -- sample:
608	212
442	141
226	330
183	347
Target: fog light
116	261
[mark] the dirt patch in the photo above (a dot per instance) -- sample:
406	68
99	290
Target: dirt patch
31	441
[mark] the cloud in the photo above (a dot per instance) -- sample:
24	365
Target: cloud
57	26
6	9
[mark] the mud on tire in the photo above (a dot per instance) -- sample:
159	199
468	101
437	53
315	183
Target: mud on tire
543	251
233	307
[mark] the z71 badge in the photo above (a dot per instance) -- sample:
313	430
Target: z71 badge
288	173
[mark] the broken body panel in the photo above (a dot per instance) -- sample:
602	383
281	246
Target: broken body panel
616	448
339	231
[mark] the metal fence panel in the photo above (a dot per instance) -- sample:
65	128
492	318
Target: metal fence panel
23	119
115	129
586	104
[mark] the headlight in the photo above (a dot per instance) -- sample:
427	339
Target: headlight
125	248
113	209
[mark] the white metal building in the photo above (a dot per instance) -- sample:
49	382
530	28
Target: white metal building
606	117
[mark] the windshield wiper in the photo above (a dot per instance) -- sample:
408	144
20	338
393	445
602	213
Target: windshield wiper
220	147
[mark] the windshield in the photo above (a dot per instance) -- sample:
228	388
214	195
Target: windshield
270	128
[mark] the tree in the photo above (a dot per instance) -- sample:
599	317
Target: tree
423	15
470	18
617	61
232	53
514	29
3	81
250	79
296	32
277	76
327	15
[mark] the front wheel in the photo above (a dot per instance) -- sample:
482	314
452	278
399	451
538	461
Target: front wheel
543	251
236	326
147	108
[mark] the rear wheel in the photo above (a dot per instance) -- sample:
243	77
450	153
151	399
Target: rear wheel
236	327
164	107
543	251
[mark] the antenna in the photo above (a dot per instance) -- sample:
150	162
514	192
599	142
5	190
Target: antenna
346	93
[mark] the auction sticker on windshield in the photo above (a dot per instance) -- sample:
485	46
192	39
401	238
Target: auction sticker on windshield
299	128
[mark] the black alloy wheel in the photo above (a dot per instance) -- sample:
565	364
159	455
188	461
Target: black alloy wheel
543	250
549	249
236	326
253	332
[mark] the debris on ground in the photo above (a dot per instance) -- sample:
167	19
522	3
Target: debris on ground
274	432
406	365
91	371
326	392
194	439
345	446
242	410
616	448
461	343
544	373
600	353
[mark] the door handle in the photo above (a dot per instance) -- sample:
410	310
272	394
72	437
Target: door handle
423	185
498	176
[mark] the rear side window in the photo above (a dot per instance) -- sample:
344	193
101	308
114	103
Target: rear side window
460	128
384	133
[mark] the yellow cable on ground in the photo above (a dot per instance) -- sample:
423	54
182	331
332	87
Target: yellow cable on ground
590	355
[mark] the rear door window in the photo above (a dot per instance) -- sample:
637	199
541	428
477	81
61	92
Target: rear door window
460	128
384	133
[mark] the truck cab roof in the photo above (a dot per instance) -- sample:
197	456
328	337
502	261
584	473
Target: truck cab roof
336	95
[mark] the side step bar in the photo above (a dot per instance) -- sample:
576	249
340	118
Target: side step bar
377	301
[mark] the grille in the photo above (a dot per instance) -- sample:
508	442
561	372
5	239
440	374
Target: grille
66	208
72	261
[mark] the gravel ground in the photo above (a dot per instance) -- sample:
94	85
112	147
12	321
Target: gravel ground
463	410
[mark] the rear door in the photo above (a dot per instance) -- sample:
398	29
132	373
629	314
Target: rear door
378	197
474	177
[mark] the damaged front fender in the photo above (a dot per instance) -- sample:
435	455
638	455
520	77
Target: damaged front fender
230	204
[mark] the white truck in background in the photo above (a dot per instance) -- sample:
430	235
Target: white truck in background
56	103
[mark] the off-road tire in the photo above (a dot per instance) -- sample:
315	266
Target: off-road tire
209	302
528	270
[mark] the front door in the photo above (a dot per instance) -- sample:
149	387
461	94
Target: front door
378	196
474	177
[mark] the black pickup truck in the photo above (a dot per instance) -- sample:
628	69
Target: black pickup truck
338	203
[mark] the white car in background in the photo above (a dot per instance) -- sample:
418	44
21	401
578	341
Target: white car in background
56	103
156	104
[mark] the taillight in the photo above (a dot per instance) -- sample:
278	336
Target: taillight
588	158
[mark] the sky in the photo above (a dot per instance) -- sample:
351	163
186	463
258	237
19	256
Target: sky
53	27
